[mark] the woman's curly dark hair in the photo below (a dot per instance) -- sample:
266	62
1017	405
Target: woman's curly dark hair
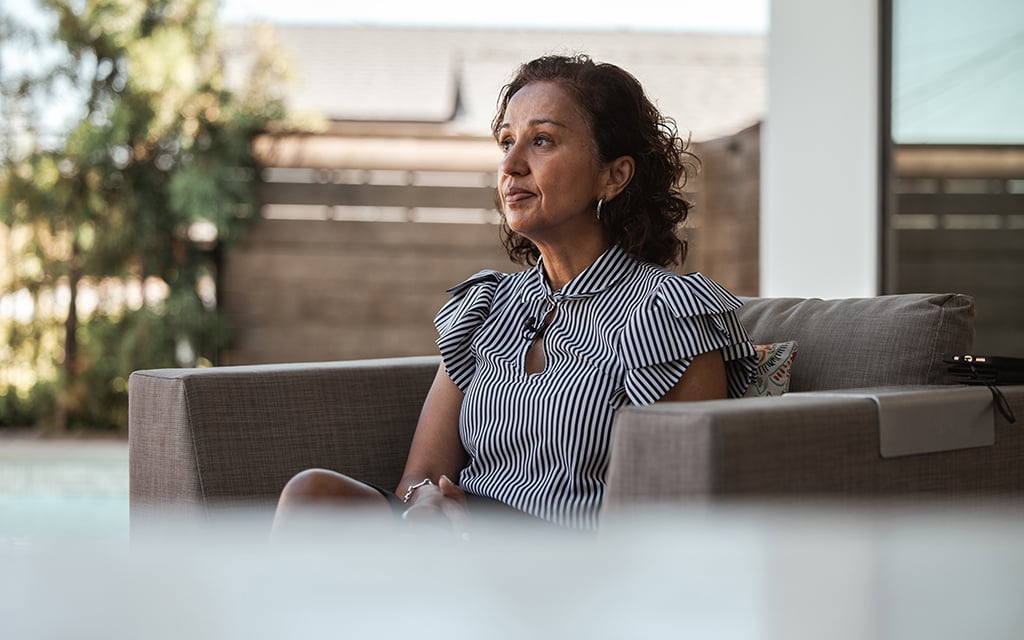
643	218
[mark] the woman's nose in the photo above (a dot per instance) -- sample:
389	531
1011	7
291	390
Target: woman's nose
514	163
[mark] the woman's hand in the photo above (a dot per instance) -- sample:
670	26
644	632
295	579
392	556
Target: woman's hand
442	504
436	451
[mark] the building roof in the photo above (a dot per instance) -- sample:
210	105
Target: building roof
711	84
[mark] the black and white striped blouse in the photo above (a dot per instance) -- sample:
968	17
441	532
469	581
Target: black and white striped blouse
624	332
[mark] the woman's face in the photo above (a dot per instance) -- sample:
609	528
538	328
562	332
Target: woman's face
550	177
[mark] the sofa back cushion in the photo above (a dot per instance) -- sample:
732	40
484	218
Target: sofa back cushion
865	342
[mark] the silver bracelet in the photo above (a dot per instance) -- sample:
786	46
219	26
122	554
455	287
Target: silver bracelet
413	487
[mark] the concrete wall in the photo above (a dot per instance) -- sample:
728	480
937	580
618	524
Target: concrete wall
308	290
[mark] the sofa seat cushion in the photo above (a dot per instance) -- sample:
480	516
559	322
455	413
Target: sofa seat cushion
865	342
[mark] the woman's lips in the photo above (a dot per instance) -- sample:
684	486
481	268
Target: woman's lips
512	196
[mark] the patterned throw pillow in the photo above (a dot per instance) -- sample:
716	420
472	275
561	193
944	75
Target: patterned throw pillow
773	369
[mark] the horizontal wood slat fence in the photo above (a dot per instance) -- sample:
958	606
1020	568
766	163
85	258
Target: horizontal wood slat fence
958	226
322	279
328	275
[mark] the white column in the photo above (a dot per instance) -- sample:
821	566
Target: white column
819	151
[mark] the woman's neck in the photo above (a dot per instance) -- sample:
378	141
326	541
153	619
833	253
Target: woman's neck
562	263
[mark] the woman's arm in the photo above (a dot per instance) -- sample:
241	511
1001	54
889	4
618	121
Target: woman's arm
436	451
704	379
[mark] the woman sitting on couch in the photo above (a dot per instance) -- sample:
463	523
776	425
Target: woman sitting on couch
536	363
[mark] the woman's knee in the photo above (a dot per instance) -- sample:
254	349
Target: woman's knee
321	484
320	491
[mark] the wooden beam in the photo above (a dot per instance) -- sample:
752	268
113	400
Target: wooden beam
928	161
375	195
317	151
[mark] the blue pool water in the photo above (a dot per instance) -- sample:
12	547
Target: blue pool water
58	489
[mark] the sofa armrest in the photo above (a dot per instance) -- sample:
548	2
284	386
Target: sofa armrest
811	444
202	437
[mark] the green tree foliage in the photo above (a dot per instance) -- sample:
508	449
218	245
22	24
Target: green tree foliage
113	227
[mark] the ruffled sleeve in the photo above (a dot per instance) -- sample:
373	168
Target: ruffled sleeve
458	320
682	318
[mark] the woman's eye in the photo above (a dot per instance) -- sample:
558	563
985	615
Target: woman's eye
541	141
505	144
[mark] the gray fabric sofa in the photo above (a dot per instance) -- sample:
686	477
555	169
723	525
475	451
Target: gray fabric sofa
202	438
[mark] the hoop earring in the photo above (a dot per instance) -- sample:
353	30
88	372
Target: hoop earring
600	202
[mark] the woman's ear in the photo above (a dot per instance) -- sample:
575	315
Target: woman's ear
620	172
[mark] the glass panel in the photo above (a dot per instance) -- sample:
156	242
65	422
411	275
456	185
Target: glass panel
955	201
958	71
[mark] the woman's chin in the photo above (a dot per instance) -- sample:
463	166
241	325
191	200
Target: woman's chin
518	222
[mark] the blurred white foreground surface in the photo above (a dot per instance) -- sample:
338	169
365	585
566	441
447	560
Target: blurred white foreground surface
709	574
